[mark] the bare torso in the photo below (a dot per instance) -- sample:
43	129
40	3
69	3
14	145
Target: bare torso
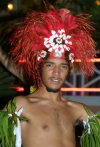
50	124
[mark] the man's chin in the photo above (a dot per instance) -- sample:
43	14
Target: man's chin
52	90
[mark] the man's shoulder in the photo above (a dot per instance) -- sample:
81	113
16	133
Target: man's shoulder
24	99
74	104
21	101
78	109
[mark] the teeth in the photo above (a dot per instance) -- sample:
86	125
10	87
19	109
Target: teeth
55	80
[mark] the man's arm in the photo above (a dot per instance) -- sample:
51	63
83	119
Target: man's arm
12	67
91	132
10	126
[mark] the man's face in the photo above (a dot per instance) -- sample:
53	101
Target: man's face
54	72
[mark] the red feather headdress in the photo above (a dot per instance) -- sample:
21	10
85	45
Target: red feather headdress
55	32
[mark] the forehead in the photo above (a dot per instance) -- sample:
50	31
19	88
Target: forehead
56	61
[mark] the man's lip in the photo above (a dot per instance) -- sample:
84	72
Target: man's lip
55	79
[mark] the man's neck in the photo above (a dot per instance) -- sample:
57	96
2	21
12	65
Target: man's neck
52	96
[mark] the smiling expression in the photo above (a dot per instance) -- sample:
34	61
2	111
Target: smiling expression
54	72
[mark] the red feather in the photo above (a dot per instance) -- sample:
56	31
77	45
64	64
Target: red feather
28	39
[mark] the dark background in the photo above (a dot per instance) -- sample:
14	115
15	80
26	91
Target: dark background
9	18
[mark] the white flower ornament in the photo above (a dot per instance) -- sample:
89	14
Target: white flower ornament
42	55
58	42
71	57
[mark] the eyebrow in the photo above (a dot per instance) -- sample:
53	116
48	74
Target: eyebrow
48	62
64	63
54	63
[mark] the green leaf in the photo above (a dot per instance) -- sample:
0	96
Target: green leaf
91	139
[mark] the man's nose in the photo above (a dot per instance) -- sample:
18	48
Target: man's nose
56	70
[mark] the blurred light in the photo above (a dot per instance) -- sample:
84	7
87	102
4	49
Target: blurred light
22	61
76	60
10	6
80	89
98	2
89	60
18	88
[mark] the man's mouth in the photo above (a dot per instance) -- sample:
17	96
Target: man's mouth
56	80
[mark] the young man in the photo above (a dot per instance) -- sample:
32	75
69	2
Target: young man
49	42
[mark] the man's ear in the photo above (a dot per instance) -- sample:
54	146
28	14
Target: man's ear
74	67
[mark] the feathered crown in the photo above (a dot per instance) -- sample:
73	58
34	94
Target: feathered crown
54	32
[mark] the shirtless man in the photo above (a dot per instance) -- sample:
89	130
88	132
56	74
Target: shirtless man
52	118
49	42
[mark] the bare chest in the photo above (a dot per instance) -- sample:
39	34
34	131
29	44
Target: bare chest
48	117
51	124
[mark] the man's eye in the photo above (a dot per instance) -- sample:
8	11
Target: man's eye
64	66
48	64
